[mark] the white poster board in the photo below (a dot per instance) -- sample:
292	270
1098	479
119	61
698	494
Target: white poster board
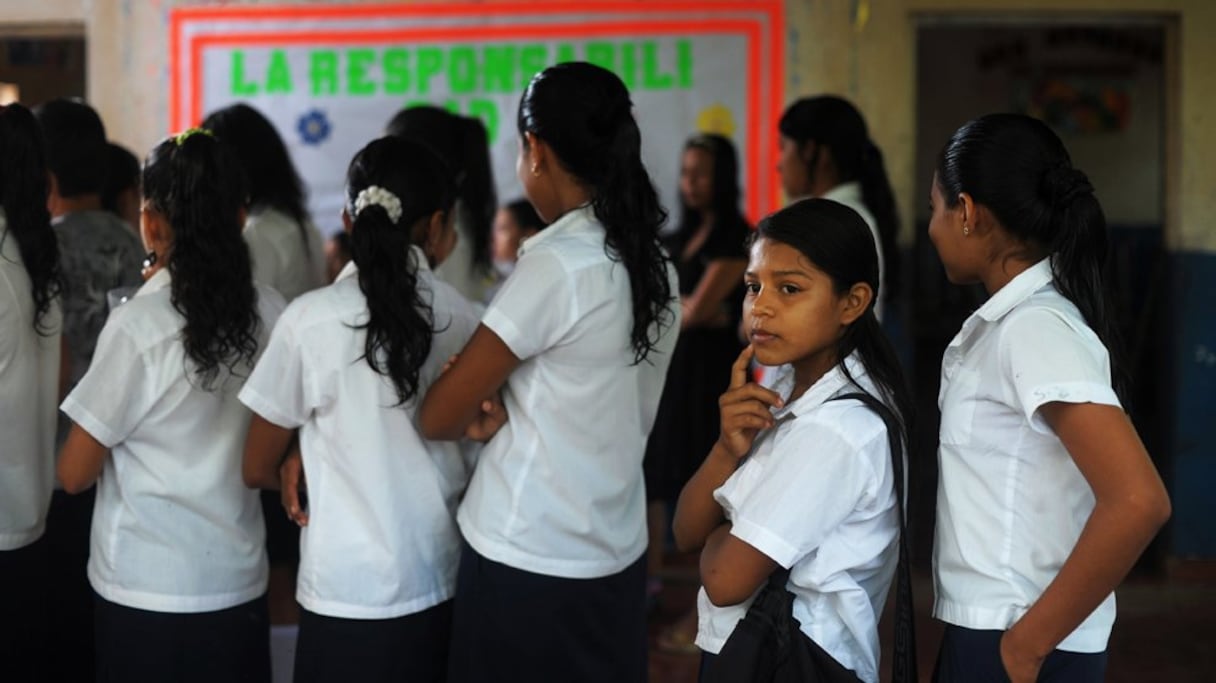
329	77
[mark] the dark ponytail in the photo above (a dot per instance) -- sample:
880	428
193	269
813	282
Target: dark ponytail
198	186
583	112
400	322
838	242
1019	169
462	143
834	123
272	177
23	198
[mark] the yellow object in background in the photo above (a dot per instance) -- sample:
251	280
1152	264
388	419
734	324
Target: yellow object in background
716	118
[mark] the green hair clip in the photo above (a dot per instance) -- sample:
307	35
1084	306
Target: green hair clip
181	137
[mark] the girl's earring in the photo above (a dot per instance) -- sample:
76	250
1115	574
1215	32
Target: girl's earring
966	230
536	171
149	260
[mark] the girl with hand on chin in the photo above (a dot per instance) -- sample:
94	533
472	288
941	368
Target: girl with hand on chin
797	480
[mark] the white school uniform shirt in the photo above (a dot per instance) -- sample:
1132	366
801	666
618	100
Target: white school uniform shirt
816	494
381	540
1011	502
29	392
458	270
280	258
558	490
175	529
849	194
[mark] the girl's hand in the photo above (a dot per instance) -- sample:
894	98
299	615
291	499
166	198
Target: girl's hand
490	418
1021	665
745	408
292	486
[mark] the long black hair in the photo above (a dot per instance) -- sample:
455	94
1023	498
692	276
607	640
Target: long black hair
75	140
23	197
198	186
583	112
838	242
122	174
272	177
834	123
1018	168
462	143
400	321
724	201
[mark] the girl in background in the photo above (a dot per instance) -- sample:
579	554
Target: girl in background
177	559
577	342
286	248
513	224
462	143
797	480
710	253
30	327
346	367
826	152
1046	495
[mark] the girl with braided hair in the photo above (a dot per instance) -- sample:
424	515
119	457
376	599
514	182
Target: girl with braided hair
1046	495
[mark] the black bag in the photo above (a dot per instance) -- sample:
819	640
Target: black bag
768	643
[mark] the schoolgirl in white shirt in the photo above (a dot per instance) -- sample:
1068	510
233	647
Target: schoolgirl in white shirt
826	151
1046	495
177	557
578	341
30	327
798	480
346	367
462	143
285	247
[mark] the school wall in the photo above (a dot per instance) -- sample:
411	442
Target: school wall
865	50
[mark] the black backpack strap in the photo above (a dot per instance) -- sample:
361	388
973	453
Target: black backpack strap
903	667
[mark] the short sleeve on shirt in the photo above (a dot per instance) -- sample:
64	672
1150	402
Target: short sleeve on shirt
536	306
117	392
786	506
280	388
1050	360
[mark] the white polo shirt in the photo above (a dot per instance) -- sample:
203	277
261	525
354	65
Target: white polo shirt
381	540
559	490
175	529
280	258
1010	501
817	496
849	194
29	392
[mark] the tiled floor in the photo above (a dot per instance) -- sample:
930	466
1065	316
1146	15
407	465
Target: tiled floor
1166	631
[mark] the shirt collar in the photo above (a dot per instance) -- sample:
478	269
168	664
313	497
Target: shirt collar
823	389
845	193
576	220
157	282
416	254
1017	290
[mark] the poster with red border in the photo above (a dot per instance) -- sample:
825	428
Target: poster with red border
330	76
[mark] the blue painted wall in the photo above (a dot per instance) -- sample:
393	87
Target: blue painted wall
1193	431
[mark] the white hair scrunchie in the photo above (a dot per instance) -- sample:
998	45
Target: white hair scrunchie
374	195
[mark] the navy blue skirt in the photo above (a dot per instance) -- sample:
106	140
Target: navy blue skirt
516	625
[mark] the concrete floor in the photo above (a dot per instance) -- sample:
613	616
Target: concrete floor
1165	631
